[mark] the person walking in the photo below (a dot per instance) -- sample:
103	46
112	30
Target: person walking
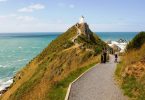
102	57
105	55
116	56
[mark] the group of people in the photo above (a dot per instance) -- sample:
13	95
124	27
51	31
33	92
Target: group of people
104	56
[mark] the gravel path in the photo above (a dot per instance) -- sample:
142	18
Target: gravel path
97	84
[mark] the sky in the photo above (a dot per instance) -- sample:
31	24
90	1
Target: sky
59	15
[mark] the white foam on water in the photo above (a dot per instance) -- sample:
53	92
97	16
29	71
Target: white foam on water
120	45
21	60
5	83
20	47
3	66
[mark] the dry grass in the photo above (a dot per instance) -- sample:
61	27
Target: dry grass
131	73
134	56
36	85
52	66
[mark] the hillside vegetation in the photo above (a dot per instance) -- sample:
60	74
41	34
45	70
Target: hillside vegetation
47	76
130	73
137	41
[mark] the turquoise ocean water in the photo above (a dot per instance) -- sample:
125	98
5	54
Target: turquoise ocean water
16	50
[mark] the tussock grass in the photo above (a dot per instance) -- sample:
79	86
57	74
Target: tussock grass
131	73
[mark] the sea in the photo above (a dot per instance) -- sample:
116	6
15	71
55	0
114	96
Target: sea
17	49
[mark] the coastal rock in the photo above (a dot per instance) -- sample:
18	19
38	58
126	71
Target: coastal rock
4	90
116	48
82	30
122	41
119	47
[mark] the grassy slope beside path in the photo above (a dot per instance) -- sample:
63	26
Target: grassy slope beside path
130	73
59	90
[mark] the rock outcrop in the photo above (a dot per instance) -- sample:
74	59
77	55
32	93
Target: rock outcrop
82	29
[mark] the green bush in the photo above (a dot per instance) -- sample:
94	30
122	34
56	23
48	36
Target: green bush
98	50
137	41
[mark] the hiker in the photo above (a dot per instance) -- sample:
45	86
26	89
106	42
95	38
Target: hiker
116	56
104	55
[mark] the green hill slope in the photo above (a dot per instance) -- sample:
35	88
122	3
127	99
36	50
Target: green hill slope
48	75
131	71
137	41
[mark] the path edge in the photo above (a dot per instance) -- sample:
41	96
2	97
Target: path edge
70	85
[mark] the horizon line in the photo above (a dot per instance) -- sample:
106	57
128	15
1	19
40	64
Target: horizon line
62	32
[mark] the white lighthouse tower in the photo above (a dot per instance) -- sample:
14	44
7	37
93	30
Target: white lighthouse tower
81	20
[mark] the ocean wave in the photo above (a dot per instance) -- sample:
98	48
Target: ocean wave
5	83
12	63
21	60
3	66
20	47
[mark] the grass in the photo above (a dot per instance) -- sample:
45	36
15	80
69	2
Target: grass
131	78
59	90
60	43
27	86
118	70
49	74
137	41
131	86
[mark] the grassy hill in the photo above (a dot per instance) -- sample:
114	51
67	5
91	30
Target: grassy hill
47	76
137	41
130	73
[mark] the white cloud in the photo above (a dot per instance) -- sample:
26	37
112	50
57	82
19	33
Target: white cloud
32	8
19	23
3	0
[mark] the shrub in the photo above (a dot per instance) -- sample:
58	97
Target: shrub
137	41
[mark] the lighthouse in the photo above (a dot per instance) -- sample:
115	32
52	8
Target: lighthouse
81	20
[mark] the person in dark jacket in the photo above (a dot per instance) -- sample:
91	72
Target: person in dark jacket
116	56
102	58
104	55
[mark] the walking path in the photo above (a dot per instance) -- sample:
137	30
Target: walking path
97	84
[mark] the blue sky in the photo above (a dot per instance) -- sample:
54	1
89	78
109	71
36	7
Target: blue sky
59	15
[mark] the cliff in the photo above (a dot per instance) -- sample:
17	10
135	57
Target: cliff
48	71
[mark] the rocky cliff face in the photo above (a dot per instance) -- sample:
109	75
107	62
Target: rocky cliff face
62	56
83	28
